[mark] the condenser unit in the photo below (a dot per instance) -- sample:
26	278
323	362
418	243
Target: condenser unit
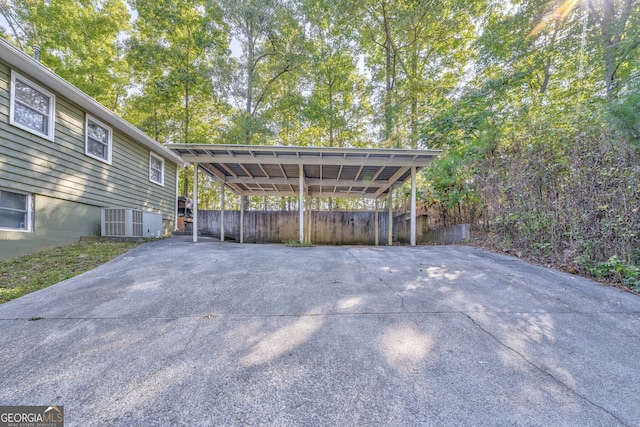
122	222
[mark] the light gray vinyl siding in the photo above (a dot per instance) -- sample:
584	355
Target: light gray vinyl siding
61	169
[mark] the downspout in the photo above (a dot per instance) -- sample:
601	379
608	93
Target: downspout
175	214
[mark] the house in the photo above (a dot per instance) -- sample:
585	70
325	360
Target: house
64	157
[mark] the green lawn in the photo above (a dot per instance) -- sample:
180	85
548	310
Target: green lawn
22	275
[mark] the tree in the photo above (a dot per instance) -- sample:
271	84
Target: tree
79	40
617	23
529	139
270	38
416	52
613	18
175	52
337	103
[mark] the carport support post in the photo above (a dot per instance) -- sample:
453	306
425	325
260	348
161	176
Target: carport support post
222	211
195	203
309	203
413	206
242	199
376	222
301	203
390	225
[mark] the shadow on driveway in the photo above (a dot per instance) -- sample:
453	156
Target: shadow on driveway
177	333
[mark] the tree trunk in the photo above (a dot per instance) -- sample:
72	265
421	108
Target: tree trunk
414	98
389	81
250	71
547	68
612	29
331	136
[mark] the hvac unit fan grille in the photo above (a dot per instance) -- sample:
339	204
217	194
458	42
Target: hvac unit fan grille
122	222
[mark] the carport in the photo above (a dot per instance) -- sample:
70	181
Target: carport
303	172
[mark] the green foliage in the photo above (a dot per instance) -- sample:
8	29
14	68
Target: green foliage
248	128
541	138
298	244
173	51
616	269
271	38
624	114
415	52
334	112
79	40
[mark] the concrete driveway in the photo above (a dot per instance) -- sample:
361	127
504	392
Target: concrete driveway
181	334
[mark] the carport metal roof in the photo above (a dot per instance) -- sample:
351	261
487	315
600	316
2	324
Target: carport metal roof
250	170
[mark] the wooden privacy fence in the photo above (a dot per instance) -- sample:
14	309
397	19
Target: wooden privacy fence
331	228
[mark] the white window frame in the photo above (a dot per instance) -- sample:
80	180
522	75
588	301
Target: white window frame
151	157
51	113
109	139
29	211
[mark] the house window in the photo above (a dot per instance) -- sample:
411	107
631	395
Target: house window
32	107
15	211
156	169
98	140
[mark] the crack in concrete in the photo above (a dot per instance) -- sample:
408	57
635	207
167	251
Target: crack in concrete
235	316
379	278
186	345
542	370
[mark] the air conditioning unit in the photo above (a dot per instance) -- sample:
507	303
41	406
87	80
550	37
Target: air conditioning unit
122	222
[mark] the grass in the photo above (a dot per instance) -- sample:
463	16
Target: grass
22	275
298	244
